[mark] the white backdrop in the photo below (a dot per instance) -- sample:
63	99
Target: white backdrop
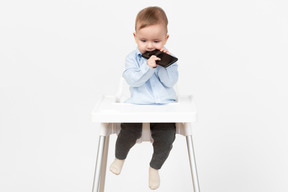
58	57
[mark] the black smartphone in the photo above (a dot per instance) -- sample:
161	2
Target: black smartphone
166	59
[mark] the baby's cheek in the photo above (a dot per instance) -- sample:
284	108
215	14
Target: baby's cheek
159	47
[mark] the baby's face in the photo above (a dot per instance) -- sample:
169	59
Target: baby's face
151	37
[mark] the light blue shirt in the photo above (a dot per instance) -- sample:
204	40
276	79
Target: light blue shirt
149	85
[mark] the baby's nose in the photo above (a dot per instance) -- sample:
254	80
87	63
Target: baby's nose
149	45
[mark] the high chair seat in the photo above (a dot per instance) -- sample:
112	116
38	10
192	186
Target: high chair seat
110	112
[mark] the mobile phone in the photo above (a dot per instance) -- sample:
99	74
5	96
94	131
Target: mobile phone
166	59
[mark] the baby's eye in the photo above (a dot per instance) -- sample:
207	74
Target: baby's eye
156	41
143	40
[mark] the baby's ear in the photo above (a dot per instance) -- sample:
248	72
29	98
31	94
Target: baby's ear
134	34
166	38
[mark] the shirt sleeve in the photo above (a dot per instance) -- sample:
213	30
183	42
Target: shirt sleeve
168	76
134	74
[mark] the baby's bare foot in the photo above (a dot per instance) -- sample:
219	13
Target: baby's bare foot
154	178
116	166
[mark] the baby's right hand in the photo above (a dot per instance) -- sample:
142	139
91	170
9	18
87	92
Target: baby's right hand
151	62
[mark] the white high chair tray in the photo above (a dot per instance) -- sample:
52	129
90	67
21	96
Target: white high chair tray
108	111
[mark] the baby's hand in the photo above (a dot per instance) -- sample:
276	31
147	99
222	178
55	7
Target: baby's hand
165	51
151	62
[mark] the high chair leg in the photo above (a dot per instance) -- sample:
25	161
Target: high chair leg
101	164
104	164
193	166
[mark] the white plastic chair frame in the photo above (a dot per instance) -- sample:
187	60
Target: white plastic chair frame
107	128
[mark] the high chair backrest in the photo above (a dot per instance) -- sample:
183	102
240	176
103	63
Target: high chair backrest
123	92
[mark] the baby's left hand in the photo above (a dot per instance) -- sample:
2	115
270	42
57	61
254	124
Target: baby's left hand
165	51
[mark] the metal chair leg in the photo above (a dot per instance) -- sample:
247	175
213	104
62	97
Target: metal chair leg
104	164
99	168
193	166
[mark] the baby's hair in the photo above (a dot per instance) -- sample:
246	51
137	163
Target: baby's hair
151	16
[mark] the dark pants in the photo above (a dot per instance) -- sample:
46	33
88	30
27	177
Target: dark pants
163	135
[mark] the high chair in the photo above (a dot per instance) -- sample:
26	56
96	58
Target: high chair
110	111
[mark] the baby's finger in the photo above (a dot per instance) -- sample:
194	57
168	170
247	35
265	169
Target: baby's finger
155	58
165	51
